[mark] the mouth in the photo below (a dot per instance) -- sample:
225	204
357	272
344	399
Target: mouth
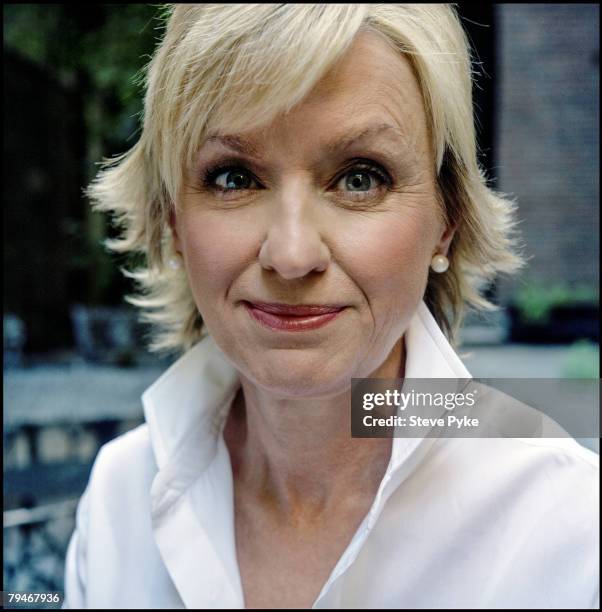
289	317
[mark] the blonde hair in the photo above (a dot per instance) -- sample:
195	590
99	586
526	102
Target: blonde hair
238	66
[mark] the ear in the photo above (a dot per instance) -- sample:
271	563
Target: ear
445	240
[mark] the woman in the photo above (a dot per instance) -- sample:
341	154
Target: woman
307	196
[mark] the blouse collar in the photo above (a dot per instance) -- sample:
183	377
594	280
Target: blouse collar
185	406
185	409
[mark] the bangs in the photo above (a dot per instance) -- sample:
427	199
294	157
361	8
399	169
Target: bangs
227	79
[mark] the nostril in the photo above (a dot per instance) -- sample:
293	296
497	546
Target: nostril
293	255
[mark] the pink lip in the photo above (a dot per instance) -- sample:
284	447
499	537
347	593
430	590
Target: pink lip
292	318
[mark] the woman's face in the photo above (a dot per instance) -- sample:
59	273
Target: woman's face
333	204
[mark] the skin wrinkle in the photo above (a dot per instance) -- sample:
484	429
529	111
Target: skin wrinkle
395	155
301	484
401	149
296	470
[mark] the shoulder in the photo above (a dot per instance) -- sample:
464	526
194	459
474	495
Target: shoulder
560	466
556	516
563	483
562	452
509	457
543	491
124	468
114	511
532	506
540	483
114	533
522	466
132	449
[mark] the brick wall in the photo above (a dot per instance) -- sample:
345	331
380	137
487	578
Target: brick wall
547	141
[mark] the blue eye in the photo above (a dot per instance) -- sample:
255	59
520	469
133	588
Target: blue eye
362	178
359	181
234	179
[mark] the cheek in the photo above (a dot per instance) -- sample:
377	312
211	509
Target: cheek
386	254
391	255
216	248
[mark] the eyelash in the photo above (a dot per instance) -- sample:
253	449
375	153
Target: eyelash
209	176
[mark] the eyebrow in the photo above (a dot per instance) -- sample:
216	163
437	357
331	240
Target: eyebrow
371	131
245	147
241	145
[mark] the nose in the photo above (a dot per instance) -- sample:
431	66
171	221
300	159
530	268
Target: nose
293	245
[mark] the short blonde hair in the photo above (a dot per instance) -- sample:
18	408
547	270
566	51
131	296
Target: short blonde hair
235	66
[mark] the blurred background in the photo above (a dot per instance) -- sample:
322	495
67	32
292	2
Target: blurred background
75	362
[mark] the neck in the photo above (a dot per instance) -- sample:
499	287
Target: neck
298	455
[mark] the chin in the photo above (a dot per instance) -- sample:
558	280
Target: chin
296	378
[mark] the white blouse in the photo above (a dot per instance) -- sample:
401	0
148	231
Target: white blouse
456	522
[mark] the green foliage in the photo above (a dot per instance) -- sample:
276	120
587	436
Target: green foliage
583	360
99	48
97	52
535	301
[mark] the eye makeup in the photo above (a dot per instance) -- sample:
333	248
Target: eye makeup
380	169
212	168
367	166
209	176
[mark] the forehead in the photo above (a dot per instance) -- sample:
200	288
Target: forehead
370	73
372	86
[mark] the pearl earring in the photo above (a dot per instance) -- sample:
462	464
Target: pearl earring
439	263
175	263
